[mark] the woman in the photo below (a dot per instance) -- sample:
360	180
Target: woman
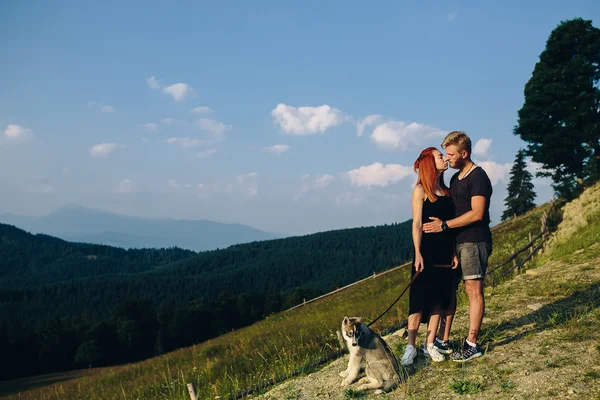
433	292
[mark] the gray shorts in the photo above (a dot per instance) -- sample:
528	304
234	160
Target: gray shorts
473	258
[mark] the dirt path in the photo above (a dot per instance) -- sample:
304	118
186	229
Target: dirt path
542	333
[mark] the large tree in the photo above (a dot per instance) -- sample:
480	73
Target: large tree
560	118
520	189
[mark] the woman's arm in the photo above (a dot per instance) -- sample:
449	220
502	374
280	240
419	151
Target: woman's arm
417	215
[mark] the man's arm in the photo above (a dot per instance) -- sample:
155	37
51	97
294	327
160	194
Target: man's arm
475	215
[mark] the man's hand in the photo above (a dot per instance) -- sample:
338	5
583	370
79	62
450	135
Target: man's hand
454	262
433	227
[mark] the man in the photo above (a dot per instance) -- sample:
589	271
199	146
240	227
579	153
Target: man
471	191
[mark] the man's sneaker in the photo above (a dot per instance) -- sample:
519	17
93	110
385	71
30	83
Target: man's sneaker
467	353
434	353
443	346
409	355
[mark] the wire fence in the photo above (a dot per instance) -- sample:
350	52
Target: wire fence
499	273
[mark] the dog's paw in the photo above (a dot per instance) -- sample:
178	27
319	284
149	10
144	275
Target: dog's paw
345	382
363	380
344	374
378	391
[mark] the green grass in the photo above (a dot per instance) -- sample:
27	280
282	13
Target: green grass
466	387
238	360
270	348
510	236
507	385
592	375
354	394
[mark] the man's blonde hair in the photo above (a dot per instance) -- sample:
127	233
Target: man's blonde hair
459	139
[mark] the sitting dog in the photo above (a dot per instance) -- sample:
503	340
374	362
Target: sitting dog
381	365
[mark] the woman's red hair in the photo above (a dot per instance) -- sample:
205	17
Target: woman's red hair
425	168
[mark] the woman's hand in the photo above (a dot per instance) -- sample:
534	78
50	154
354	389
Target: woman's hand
454	261
419	264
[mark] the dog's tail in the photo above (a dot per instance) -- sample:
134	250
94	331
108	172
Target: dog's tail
390	384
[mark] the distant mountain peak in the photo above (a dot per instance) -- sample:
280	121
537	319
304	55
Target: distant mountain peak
89	225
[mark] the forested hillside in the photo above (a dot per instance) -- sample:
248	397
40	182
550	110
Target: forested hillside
66	305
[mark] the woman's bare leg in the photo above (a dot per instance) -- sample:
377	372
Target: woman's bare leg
432	326
447	318
414	320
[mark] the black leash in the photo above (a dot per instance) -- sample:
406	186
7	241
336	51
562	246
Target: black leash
398	298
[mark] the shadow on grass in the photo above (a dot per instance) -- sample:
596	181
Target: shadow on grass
549	316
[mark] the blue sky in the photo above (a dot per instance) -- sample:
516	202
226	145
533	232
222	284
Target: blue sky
292	117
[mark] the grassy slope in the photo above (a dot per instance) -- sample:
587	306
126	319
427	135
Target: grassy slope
541	331
278	344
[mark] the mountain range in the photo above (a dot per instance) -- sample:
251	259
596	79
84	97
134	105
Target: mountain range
80	224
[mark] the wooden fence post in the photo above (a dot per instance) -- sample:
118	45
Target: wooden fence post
515	264
192	391
530	247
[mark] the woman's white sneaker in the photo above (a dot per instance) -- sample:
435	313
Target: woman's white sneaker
434	353
409	355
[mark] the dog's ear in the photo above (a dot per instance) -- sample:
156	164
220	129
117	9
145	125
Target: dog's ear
346	321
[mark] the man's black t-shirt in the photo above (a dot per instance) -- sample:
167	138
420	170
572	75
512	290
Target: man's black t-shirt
476	183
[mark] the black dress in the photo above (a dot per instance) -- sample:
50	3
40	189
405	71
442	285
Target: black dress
435	285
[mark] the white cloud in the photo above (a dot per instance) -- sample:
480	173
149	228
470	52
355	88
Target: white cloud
186	141
210	125
225	188
244	178
17	133
303	121
188	186
323	181
349	198
153	83
452	16
481	147
278	149
200	186
167	121
178	90
252	191
367	121
40	184
125	186
377	174
40	188
319	182
299	193
202	110
247	183
206	154
152	127
173	184
102	149
394	135
105	108
496	172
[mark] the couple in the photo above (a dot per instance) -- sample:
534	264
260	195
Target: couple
450	228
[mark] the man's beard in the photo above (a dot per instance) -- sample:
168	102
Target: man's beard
460	163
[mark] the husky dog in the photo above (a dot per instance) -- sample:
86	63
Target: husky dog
364	344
